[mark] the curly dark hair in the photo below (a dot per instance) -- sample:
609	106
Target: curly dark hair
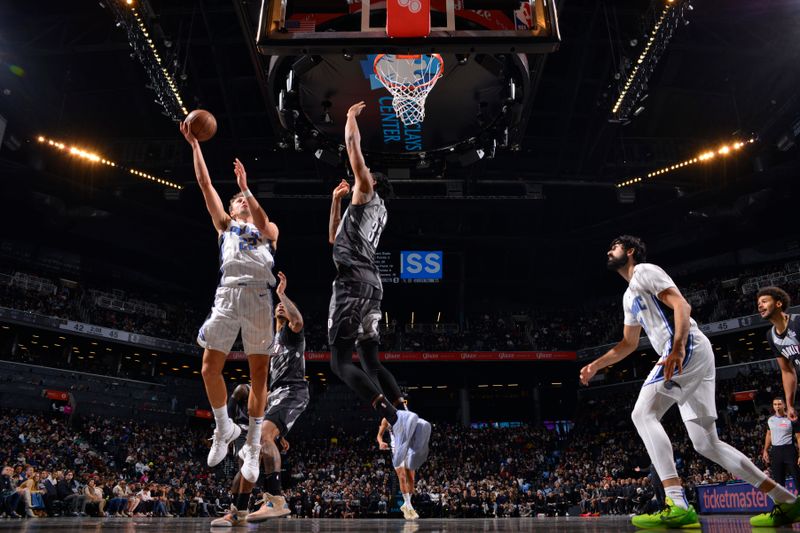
382	185
629	242
777	294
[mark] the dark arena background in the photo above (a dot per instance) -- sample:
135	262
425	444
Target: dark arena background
553	129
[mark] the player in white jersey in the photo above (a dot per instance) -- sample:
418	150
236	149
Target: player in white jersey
685	374
412	461
247	240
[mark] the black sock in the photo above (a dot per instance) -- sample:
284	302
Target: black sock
385	409
272	483
242	500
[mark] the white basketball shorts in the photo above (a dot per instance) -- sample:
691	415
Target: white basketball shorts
248	309
695	387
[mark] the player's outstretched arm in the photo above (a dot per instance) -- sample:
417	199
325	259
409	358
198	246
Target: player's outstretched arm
339	192
362	190
292	312
213	203
789	380
268	229
629	342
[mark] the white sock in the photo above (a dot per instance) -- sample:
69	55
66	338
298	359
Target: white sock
677	496
221	417
407	498
781	495
254	430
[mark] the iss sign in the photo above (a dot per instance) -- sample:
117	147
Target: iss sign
424	265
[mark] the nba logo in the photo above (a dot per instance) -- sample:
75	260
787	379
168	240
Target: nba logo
412	5
408	18
522	17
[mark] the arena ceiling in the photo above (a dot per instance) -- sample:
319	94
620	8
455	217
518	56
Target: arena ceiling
67	73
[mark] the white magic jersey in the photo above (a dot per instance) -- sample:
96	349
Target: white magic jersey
245	256
643	308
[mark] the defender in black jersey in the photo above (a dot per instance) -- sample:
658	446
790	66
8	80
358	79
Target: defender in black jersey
354	311
287	399
783	337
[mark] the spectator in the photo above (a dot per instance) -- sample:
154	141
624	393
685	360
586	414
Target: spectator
9	498
69	490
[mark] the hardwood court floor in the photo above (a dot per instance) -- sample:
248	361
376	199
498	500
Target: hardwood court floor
713	524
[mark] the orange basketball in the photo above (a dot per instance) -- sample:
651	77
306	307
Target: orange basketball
202	124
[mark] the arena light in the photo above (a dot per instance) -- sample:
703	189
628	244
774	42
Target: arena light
132	19
633	87
704	156
93	157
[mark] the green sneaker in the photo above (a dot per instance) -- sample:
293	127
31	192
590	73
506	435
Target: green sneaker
782	514
670	517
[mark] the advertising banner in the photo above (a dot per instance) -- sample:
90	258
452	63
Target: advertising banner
442	356
735	498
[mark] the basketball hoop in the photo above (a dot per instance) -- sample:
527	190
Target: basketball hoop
409	78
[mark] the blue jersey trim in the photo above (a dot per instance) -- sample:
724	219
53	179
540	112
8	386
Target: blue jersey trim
689	351
663	316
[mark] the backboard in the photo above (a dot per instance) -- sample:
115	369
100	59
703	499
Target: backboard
322	57
292	27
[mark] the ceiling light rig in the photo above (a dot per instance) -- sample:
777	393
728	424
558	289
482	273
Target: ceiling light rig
632	87
93	157
130	16
707	155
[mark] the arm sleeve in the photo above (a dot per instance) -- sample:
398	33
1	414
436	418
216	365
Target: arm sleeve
294	338
654	280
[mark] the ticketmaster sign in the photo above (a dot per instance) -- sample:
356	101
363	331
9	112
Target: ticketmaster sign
735	498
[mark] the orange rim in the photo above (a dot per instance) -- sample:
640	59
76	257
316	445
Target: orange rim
388	83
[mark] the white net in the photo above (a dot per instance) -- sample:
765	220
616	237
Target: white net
409	79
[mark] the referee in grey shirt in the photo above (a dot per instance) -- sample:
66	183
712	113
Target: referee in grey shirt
782	457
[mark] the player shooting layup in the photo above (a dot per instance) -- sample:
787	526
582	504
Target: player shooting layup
247	240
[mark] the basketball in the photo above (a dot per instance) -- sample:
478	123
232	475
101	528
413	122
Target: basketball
202	123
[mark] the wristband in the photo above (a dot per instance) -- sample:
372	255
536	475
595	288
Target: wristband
247	194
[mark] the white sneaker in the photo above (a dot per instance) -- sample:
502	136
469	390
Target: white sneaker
408	512
250	455
232	518
272	507
219	446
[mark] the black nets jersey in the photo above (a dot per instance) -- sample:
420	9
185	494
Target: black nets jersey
357	241
788	344
287	364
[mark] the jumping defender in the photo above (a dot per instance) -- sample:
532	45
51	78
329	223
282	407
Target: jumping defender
247	240
685	374
354	311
